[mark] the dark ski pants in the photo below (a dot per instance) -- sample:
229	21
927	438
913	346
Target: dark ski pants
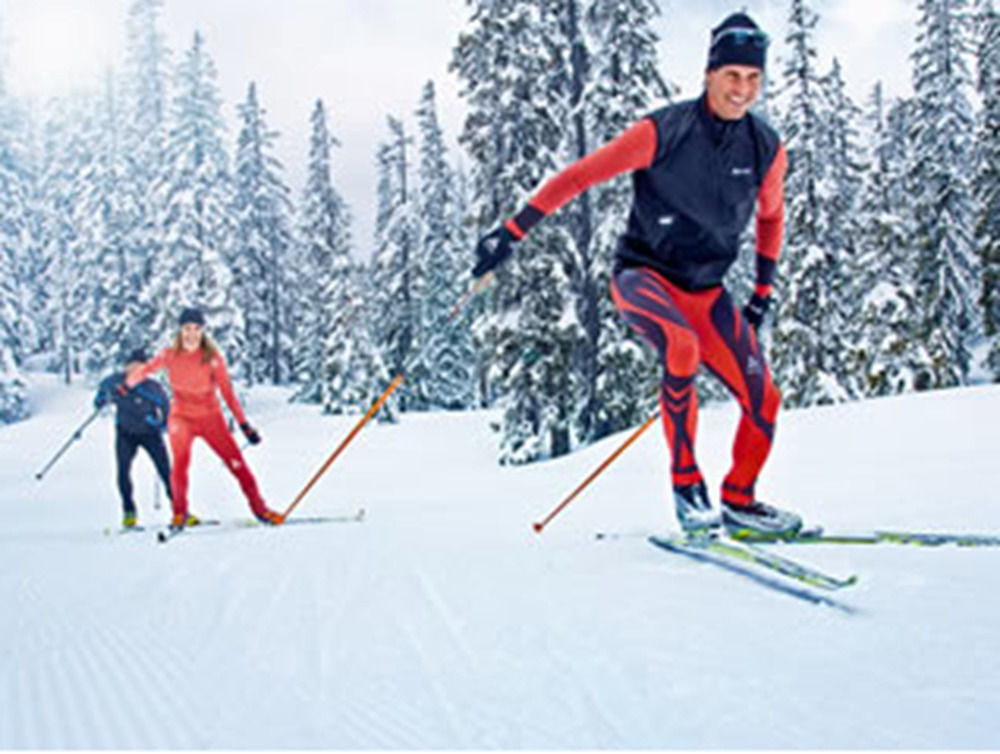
126	446
689	328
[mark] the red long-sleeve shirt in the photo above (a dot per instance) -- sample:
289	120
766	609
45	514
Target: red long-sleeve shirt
193	382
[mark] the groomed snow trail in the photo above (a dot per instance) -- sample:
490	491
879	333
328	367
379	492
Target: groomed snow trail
443	621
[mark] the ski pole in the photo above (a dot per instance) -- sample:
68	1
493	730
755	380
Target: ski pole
77	434
479	285
539	525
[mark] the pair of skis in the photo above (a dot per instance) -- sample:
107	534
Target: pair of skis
164	535
755	561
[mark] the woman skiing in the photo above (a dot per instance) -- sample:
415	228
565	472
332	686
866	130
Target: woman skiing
195	368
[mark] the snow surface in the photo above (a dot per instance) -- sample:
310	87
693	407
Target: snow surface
443	621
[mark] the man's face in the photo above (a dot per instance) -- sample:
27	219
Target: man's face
732	89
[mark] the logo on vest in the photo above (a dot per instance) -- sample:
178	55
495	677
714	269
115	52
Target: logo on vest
666	220
737	172
754	367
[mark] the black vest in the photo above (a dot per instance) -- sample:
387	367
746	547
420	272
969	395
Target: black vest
693	202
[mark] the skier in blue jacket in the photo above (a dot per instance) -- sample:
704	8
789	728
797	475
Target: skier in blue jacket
140	419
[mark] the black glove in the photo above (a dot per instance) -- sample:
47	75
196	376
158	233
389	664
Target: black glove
493	250
756	309
253	437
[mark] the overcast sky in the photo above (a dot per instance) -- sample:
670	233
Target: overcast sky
369	59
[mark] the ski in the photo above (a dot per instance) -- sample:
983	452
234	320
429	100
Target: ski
348	518
165	535
932	539
750	554
699	552
883	536
121	531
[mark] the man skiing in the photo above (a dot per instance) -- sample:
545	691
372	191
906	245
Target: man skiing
196	369
698	167
140	418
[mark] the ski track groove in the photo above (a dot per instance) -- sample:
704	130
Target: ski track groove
142	685
44	718
100	684
344	591
445	614
590	707
366	721
435	681
100	687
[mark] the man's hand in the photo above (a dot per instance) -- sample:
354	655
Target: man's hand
756	309
493	250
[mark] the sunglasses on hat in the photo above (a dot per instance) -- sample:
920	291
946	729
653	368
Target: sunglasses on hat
742	36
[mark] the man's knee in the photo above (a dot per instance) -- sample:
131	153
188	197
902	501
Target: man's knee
683	353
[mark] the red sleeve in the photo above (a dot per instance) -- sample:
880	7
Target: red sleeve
633	150
221	375
157	363
770	222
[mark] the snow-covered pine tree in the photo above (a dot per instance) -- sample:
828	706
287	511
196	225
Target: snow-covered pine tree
885	352
198	225
66	247
323	251
532	364
146	96
356	373
260	267
845	169
13	389
539	332
397	278
110	206
807	348
940	174
512	134
16	183
466	229
450	358
987	178
14	231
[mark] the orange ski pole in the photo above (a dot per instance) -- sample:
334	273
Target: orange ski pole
478	286
539	525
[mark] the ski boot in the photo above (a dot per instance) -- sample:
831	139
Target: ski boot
177	523
130	520
192	520
270	517
694	510
759	521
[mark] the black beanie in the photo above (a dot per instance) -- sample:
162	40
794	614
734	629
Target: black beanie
737	41
137	355
192	315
